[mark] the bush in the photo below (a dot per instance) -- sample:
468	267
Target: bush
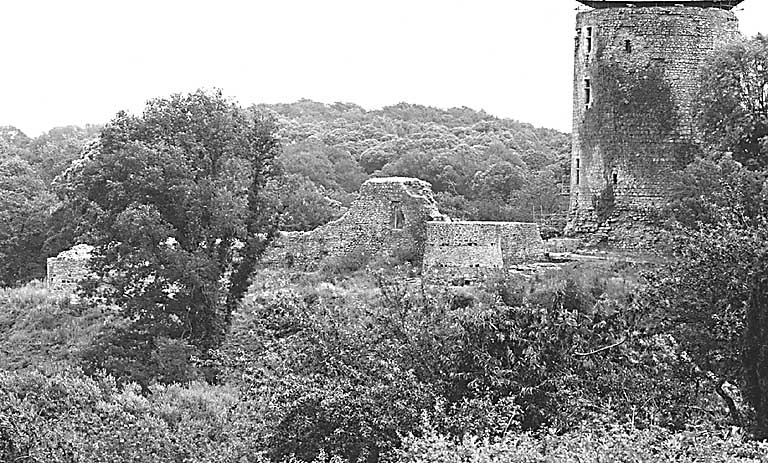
132	355
67	417
349	376
585	445
341	266
42	329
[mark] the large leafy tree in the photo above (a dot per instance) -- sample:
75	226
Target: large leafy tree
25	208
174	203
712	294
733	102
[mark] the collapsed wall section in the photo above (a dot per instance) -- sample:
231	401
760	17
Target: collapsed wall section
388	217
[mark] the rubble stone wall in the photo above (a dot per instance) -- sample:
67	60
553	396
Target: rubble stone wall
467	251
68	268
399	216
388	217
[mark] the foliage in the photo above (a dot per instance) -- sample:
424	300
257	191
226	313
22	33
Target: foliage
54	151
733	101
709	192
302	204
349	374
139	356
481	167
40	329
68	417
710	295
173	201
25	208
702	298
755	353
613	443
13	142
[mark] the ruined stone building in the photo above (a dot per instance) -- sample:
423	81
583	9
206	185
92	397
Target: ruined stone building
399	216
69	267
393	216
464	252
637	71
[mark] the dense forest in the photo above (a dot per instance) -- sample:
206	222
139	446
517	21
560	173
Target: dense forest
481	167
179	347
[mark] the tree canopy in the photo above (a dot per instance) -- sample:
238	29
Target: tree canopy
463	153
174	203
733	102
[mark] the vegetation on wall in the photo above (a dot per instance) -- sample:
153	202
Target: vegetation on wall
632	116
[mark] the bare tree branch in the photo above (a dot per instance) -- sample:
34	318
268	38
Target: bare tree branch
602	349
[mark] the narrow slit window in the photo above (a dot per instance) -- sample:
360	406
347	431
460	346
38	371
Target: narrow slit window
578	171
589	40
615	178
398	219
628	46
577	39
587	93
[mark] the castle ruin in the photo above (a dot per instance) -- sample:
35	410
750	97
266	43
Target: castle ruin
399	216
394	216
636	74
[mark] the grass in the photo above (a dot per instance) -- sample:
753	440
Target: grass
42	329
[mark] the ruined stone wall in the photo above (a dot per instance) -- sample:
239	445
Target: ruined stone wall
388	217
68	268
467	251
399	216
640	70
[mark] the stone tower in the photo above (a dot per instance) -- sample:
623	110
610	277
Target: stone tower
636	74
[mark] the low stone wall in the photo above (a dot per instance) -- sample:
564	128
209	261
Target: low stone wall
563	244
470	251
68	268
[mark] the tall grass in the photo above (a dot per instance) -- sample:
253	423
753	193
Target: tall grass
40	328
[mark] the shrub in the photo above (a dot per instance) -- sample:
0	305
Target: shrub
42	329
133	355
585	445
67	417
343	265
350	376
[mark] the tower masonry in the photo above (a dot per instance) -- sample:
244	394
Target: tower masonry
636	75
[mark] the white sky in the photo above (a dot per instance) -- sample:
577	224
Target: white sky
80	61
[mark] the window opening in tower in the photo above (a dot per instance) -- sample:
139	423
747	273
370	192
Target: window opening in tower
578	173
587	93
